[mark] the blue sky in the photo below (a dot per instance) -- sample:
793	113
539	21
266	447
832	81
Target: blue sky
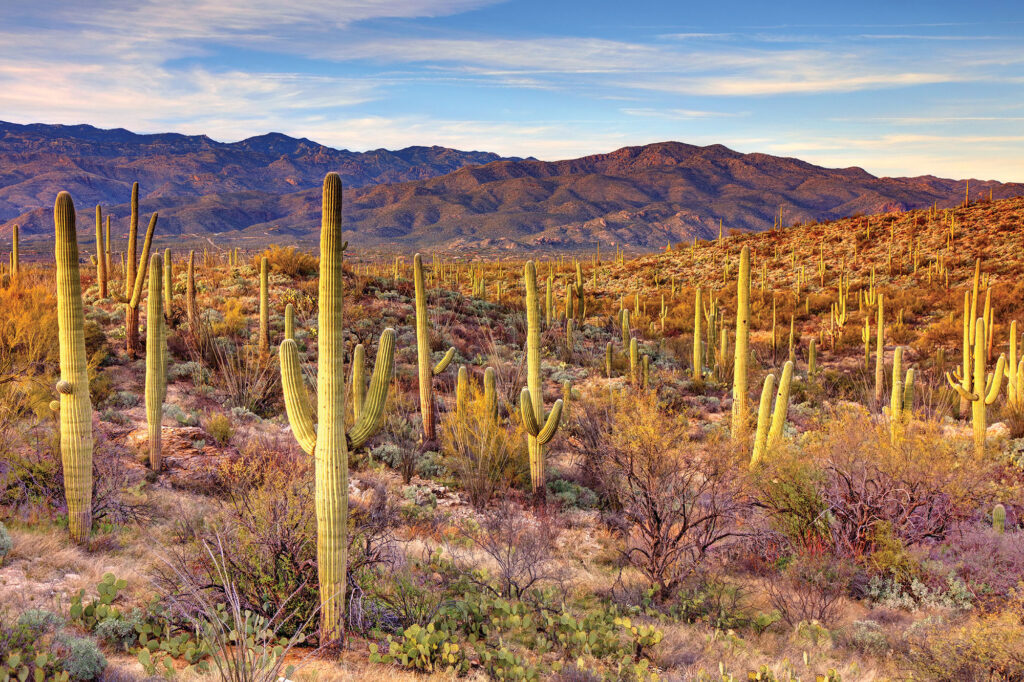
897	87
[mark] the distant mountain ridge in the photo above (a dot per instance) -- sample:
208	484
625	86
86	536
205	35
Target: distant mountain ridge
266	188
99	166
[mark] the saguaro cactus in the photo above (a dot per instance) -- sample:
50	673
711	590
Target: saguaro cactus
633	361
191	311
329	443
73	387
15	255
769	429
741	358
999	519
491	392
426	372
1014	373
901	403
880	352
168	291
980	393
264	339
698	349
289	322
101	262
156	370
461	394
539	429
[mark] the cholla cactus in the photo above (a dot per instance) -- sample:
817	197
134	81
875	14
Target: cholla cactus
769	429
540	429
156	359
75	406
426	372
980	392
741	358
330	443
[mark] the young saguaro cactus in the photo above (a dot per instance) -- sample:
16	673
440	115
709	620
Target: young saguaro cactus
426	372
901	403
539	429
742	352
999	519
156	370
769	429
329	443
75	406
981	392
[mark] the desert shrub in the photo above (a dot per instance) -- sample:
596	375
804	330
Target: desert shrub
809	589
82	658
288	261
33	646
219	426
40	620
990	563
982	647
675	499
572	494
867	637
480	451
179	415
120	632
890	592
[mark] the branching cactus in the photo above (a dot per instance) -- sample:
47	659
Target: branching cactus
75	407
901	402
264	339
329	443
156	369
135	277
742	352
540	429
771	422
981	391
426	371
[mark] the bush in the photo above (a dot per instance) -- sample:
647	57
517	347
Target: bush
867	637
571	494
809	589
120	632
82	658
219	426
288	261
40	620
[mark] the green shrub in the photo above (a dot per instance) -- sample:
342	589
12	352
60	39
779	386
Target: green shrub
219	426
868	637
426	649
573	495
40	620
82	659
6	543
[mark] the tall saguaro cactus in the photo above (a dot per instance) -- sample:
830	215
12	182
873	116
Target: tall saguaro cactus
540	429
981	392
329	443
880	352
168	291
101	262
264	339
426	372
156	369
135	276
191	311
741	358
698	350
15	255
901	403
75	407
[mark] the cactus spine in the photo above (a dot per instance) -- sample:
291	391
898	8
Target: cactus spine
329	443
264	339
741	358
75	407
769	429
999	519
101	263
539	430
426	372
156	370
979	392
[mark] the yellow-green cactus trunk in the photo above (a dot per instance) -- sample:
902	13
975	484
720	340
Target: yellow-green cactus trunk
741	357
75	407
264	340
156	371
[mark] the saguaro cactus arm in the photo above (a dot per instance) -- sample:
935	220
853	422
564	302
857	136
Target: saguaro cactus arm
377	396
296	399
443	363
544	433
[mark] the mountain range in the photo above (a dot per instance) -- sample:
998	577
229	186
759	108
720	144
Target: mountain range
266	188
